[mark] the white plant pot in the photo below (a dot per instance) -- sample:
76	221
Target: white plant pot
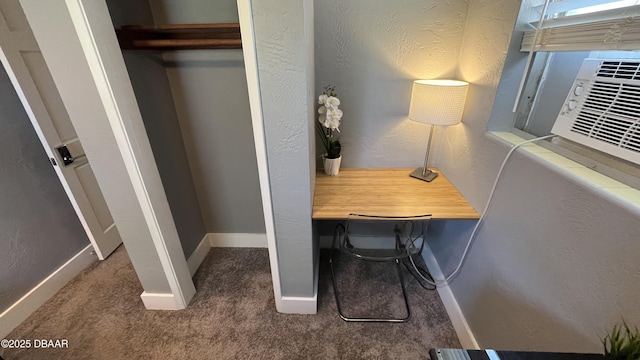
331	166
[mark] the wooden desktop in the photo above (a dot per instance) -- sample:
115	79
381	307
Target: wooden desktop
387	192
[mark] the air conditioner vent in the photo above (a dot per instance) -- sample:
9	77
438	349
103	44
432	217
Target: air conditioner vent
611	113
602	110
619	70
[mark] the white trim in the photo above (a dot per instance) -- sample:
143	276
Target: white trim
300	305
553	157
198	255
253	84
316	279
238	240
466	337
161	301
31	301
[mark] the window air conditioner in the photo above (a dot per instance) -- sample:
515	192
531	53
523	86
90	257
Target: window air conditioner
602	110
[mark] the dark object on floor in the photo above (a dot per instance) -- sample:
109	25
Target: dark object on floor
461	354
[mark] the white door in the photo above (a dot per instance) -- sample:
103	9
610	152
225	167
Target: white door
30	76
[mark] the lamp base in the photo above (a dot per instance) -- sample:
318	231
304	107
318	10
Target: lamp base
428	176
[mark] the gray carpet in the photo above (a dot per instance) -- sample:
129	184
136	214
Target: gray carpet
232	316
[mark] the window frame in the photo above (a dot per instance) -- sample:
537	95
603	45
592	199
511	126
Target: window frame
504	119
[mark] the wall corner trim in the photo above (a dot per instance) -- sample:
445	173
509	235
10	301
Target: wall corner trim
195	259
161	301
298	305
460	325
249	50
36	297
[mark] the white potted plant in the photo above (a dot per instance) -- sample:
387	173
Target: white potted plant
328	125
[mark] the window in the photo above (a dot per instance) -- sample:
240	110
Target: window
586	7
571	31
575	27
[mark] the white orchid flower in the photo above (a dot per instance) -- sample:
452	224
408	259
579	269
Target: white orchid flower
330	115
334	113
332	102
334	124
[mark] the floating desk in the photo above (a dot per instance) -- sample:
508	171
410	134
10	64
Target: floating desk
387	192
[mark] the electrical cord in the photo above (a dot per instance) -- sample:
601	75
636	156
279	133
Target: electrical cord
422	272
482	216
410	245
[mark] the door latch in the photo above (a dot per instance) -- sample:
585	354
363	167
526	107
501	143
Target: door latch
65	154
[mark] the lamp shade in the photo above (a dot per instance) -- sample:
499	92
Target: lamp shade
438	102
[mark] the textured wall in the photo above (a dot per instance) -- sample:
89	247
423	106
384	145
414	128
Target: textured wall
209	89
194	11
282	31
372	51
151	86
150	83
554	266
39	230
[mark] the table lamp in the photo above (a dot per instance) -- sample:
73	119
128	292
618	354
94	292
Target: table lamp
436	102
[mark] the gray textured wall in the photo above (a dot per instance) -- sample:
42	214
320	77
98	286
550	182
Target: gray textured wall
285	60
372	51
209	89
555	265
39	230
194	11
153	93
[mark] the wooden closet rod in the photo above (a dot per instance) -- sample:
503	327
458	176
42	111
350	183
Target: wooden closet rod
180	36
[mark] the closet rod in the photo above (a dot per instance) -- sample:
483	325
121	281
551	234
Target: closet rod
180	36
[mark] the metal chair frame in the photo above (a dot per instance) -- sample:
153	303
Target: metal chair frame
403	249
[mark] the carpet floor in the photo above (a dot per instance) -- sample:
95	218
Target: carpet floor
233	316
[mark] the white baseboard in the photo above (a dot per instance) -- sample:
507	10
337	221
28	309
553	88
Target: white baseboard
237	240
298	305
223	240
286	304
194	261
31	301
466	337
160	301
